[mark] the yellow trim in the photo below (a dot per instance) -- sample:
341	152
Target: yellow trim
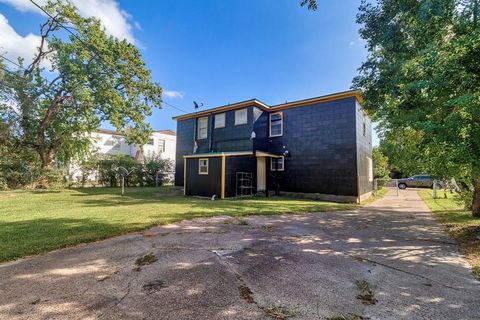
266	154
184	175
327	98
270	125
246	117
224	120
198	128
300	103
199	171
283	167
222	154
222	194
238	105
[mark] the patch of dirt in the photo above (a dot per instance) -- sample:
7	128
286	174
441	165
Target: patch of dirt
367	296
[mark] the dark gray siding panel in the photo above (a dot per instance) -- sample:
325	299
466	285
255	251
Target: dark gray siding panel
204	185
321	139
184	147
238	164
364	150
232	137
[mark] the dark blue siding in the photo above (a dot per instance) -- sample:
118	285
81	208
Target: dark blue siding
321	139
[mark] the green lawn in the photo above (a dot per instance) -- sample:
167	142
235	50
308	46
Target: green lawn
33	222
459	224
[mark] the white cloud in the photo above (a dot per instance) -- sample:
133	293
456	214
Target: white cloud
352	43
116	21
14	45
173	94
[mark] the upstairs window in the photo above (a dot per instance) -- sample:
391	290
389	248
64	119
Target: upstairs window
150	142
203	166
276	124
241	117
278	162
202	128
220	120
161	145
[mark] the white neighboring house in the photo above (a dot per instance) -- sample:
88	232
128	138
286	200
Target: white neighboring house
161	143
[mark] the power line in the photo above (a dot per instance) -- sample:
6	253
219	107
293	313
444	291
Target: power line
174	107
90	47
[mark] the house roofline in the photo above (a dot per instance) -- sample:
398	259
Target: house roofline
114	132
246	103
299	103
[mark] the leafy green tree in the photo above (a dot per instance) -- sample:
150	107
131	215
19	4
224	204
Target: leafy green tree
94	77
423	74
380	164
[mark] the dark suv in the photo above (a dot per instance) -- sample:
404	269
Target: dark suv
418	181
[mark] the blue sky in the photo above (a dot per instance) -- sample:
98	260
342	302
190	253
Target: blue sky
218	52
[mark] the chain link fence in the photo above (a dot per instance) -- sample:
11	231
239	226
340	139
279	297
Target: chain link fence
379	184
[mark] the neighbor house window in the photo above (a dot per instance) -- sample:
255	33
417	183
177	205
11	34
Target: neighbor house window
203	166
114	142
364	129
202	130
150	142
278	162
241	117
276	124
161	145
220	120
370	169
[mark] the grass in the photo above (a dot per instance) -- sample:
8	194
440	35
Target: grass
460	224
35	222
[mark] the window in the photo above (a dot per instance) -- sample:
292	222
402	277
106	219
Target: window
203	166
276	124
370	169
241	117
161	145
202	129
150	142
364	129
114	142
279	162
220	120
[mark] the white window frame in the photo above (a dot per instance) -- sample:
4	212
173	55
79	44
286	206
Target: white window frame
217	122
280	168
270	125
161	145
239	121
151	141
199	128
200	166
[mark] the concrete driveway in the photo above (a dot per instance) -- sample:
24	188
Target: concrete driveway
389	260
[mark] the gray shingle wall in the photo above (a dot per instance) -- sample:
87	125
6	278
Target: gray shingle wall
364	150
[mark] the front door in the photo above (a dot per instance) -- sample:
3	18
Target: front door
261	174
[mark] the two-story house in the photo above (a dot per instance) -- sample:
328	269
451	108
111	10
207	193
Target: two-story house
319	146
161	143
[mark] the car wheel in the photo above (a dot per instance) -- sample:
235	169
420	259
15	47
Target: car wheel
402	186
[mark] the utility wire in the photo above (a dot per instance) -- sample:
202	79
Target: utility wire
89	46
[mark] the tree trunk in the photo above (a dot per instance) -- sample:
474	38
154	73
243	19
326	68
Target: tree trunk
476	199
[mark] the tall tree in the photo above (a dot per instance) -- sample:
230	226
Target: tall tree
423	75
79	77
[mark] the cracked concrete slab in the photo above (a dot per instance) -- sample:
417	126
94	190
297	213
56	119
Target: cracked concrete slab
300	266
